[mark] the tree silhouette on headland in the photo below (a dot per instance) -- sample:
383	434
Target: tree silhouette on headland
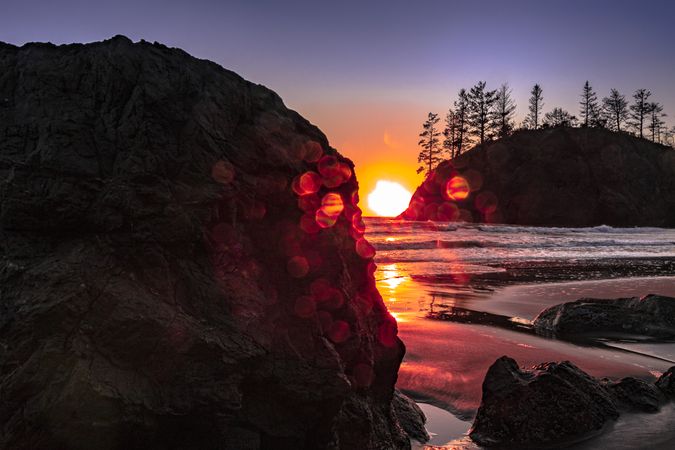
429	156
616	108
535	108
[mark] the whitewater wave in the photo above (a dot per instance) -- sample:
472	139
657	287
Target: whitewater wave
566	244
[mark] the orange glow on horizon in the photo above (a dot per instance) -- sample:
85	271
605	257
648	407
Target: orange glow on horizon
379	137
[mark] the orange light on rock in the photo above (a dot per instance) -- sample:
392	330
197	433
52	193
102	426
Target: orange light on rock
363	375
313	151
323	219
339	331
297	266
305	306
222	172
309	203
310	182
308	224
332	204
364	249
486	202
457	188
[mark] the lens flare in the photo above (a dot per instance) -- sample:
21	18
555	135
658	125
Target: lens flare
457	188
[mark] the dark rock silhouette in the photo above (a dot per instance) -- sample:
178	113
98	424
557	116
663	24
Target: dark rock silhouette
666	382
633	394
554	403
651	315
183	263
573	177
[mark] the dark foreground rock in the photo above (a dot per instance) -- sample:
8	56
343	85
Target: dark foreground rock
410	416
572	177
554	404
182	263
651	315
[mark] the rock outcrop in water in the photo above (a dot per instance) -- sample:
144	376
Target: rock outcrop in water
183	263
554	404
572	177
651	315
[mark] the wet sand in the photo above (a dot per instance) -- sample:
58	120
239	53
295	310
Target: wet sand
446	361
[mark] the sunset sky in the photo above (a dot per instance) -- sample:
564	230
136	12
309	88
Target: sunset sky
368	72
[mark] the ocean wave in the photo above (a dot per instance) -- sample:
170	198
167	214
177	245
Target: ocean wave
534	244
604	229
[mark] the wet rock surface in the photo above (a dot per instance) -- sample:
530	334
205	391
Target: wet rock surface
651	316
555	404
410	416
183	263
571	177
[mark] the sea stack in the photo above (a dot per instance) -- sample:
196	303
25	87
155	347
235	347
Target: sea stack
183	263
562	176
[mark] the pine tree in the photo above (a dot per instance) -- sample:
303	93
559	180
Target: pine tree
450	133
504	111
640	110
429	156
589	106
481	102
616	108
559	118
536	105
462	115
656	122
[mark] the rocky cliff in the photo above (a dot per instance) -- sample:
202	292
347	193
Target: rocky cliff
572	177
182	263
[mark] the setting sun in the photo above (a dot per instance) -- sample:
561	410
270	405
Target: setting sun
388	199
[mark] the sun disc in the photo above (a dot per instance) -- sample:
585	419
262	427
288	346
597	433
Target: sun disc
388	199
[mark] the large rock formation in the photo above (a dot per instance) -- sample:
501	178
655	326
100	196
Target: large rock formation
182	263
651	315
573	177
555	404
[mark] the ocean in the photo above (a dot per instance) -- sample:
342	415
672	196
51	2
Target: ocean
463	294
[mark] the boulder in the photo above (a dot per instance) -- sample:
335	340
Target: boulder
633	394
666	382
567	177
554	403
182	263
651	315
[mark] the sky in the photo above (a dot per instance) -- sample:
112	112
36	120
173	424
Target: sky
368	72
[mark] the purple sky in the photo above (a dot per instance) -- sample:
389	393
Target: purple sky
367	72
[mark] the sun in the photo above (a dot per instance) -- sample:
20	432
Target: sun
388	199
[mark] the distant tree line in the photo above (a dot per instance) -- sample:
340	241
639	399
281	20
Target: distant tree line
479	115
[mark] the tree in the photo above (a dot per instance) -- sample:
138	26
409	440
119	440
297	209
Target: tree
450	133
589	106
639	110
462	116
481	102
504	110
536	104
430	154
656	122
559	118
616	108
